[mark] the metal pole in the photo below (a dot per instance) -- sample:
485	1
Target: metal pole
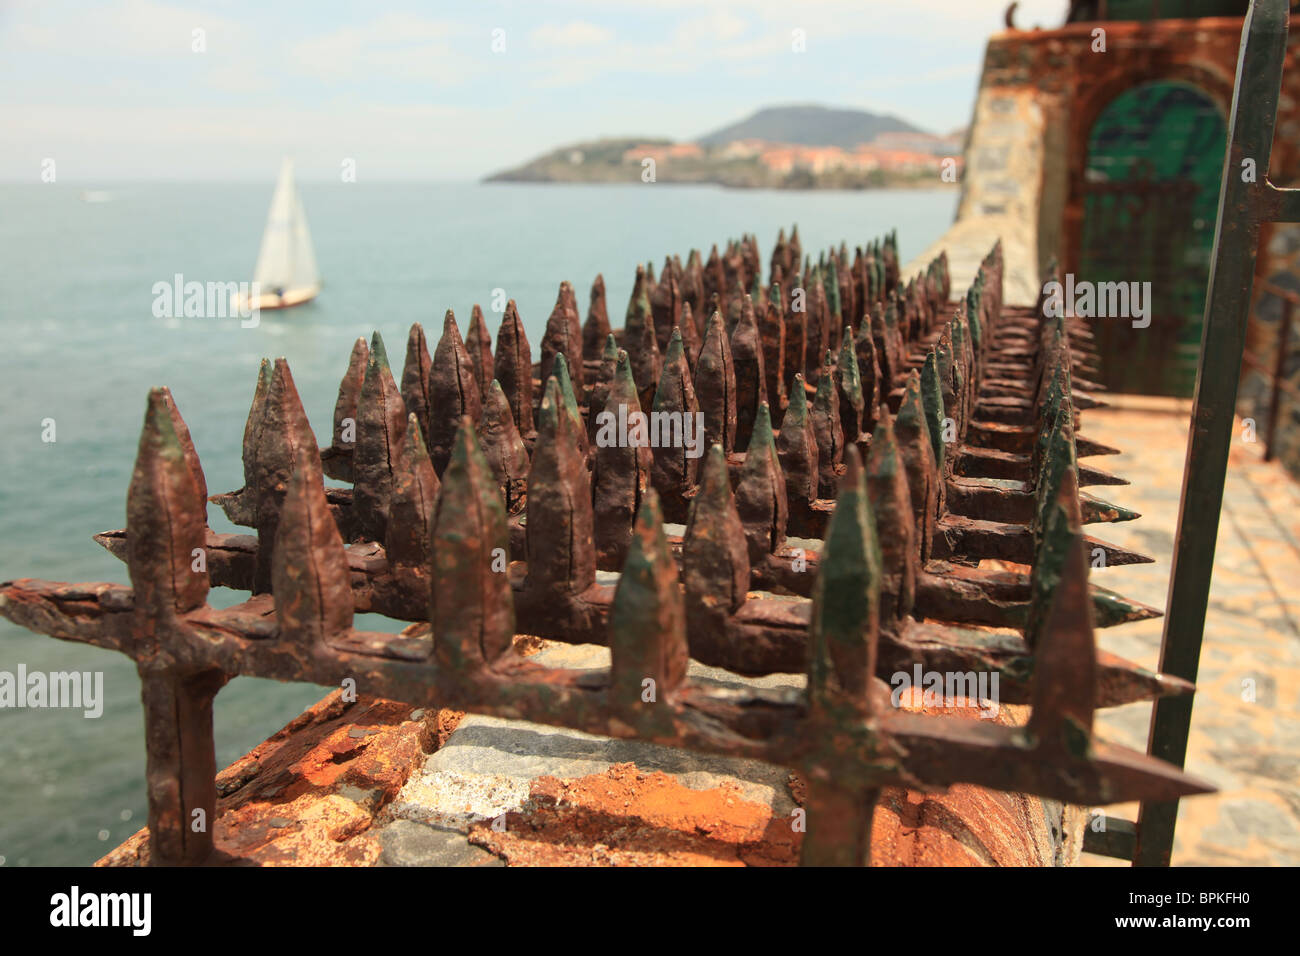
1279	369
1244	201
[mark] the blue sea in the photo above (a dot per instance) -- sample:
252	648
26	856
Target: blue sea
81	346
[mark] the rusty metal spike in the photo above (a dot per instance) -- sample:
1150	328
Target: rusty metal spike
796	446
964	378
309	572
191	454
599	392
647	627
843	630
596	329
1083	447
640	342
503	448
796	332
834	306
1098	510
514	368
1056	523
675	429
415	377
453	392
691	282
923	482
933	403
1065	655
715	387
891	503
751	377
828	429
735	303
561	552
574	352
691	341
252	442
666	308
345	411
951	338
714	280
761	493
563	336
560	372
284	432
849	383
882	344
715	557
1053	453
817	320
166	529
772	332
412	500
381	423
897	336
478	343
621	469
471	605
1095	476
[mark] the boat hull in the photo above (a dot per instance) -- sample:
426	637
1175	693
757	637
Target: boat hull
269	300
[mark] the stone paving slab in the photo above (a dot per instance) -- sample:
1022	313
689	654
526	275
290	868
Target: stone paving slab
562	797
1245	735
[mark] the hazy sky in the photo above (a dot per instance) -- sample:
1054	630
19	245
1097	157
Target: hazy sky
116	90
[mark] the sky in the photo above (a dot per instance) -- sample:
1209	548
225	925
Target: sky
128	90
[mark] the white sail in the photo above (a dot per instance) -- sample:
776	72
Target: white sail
286	261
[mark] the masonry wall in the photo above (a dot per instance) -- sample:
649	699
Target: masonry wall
1041	91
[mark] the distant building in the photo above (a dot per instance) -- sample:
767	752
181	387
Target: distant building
919	143
660	152
743	149
783	159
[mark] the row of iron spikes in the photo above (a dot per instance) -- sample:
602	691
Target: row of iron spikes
617	535
431	481
647	624
510	448
312	590
304	450
555	573
179	474
446	379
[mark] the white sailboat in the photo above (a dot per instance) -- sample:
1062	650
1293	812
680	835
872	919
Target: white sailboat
286	263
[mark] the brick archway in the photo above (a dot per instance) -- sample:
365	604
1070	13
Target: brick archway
1092	101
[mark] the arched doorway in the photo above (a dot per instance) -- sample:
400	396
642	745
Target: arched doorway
1150	198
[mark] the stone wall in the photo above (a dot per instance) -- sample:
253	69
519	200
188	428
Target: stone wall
1040	93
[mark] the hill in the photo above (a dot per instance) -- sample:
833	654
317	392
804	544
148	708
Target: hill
809	126
782	147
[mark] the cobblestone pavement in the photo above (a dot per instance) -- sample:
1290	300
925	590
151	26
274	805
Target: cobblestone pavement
1245	735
